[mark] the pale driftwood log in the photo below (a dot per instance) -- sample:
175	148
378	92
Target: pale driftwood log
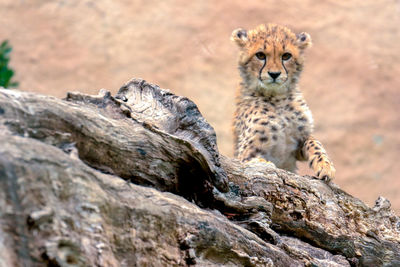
151	137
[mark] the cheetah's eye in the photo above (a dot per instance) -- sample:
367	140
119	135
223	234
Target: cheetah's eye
260	55
286	56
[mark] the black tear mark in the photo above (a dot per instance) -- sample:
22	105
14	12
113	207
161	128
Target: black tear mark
284	67
265	62
1	111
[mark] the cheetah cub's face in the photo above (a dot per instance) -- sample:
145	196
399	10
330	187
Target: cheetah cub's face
270	58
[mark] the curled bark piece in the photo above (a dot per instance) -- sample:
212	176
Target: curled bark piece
176	115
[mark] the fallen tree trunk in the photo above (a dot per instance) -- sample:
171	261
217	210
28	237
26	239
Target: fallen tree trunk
150	137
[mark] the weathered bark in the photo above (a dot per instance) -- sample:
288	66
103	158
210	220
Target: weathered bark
58	210
319	213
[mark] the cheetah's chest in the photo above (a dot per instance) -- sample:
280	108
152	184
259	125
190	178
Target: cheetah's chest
274	129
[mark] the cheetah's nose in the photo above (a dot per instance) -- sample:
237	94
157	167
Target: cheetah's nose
274	75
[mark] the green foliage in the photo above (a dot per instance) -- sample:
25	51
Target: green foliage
6	73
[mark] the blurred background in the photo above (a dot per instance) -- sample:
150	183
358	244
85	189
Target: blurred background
351	80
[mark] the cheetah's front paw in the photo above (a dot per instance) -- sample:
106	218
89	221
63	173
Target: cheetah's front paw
323	167
260	160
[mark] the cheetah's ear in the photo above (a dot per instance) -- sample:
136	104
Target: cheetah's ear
239	36
303	40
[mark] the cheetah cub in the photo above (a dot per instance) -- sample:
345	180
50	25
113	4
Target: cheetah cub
272	120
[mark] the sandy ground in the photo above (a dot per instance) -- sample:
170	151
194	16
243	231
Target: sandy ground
351	80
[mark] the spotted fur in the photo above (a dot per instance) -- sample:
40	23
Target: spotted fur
272	120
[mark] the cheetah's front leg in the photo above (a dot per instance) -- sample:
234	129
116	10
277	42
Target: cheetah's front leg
313	151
